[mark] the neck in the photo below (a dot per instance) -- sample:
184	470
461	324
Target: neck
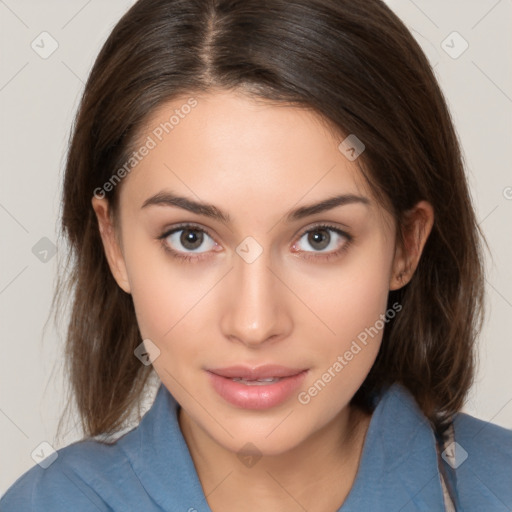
328	459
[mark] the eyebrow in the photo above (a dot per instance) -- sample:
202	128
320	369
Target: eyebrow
166	198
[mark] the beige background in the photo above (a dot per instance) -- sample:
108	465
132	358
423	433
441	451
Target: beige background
38	98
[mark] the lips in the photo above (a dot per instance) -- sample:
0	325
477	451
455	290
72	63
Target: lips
262	387
267	371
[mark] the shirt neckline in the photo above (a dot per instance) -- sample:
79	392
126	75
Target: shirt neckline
398	465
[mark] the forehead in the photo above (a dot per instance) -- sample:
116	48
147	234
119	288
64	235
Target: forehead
230	149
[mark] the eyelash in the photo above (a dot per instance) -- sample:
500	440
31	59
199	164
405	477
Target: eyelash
349	239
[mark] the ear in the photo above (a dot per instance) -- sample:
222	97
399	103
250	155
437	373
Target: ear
417	227
111	243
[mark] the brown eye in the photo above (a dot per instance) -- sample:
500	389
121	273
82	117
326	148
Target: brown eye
322	239
319	239
189	239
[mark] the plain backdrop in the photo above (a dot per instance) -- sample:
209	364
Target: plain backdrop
467	41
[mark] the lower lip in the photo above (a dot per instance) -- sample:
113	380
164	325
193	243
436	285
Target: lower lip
256	396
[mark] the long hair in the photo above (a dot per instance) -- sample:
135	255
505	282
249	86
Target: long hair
357	65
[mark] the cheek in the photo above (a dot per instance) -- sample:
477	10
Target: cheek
362	296
353	304
348	296
150	277
167	294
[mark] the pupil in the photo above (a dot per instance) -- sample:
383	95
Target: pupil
319	239
191	238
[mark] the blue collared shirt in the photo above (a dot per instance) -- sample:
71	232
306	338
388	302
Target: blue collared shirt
149	469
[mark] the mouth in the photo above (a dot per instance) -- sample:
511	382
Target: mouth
259	388
257	382
262	372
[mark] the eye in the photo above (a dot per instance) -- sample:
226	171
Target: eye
323	239
192	243
187	239
191	239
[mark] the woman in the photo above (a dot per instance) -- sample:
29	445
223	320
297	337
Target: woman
266	204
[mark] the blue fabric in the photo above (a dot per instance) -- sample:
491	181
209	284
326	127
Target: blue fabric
150	469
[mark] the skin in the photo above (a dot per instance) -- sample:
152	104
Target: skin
291	306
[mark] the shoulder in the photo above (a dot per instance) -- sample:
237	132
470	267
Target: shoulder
485	440
82	477
483	461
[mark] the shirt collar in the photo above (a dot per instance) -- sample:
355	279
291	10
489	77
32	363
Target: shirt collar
398	468
399	463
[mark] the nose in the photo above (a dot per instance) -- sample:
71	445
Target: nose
256	307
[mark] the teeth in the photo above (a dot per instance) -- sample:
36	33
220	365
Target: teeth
258	382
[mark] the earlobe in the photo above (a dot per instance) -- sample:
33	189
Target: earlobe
416	230
111	244
399	275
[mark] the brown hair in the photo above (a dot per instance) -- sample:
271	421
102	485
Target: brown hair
357	65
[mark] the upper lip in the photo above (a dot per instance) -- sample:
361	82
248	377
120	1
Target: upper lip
253	373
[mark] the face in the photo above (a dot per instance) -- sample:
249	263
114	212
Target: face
247	238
